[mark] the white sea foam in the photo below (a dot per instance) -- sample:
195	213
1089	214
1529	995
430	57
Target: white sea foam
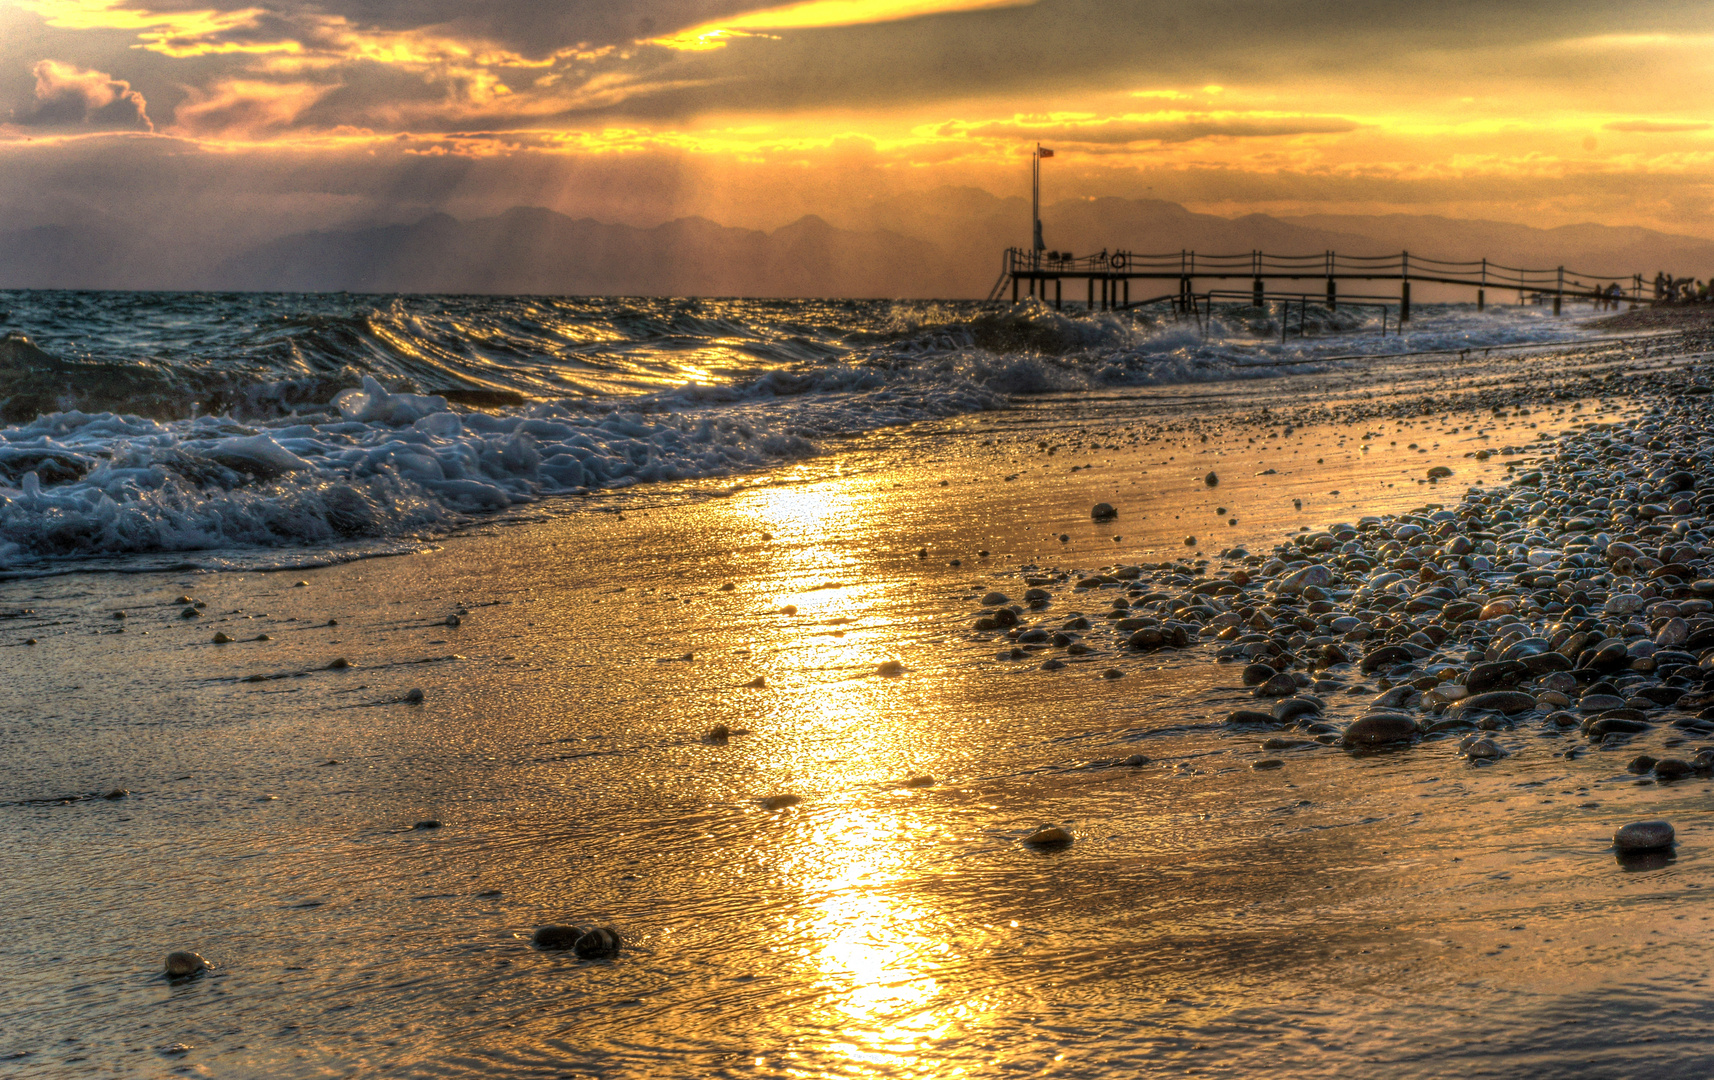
376	466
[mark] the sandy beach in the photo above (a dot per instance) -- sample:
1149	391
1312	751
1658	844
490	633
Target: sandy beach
363	868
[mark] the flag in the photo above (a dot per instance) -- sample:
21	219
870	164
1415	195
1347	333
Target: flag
1044	151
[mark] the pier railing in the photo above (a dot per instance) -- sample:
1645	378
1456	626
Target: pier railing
1112	269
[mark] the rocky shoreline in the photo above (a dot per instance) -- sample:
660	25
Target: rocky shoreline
1578	598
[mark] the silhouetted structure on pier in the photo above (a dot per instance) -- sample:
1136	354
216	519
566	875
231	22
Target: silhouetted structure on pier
1108	276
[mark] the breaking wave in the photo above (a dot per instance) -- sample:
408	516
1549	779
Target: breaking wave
142	424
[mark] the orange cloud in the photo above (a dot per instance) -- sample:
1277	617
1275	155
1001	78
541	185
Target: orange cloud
248	107
819	14
68	94
1655	127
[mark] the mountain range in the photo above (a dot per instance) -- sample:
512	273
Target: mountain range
945	243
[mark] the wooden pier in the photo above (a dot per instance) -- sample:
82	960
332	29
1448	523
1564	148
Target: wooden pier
1106	278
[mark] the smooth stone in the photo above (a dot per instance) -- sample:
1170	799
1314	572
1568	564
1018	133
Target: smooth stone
781	802
1051	836
1266	763
1496	675
414	696
1387	656
1277	743
1103	512
1257	674
183	965
1597	703
1500	701
1644	836
599	943
919	782
427	823
1249	716
1281	685
1672	768
556	938
1289	709
890	668
996	599
1378	729
1484	749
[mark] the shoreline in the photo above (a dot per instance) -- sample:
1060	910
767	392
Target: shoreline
1209	915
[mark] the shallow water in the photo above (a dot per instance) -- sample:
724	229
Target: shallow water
1408	913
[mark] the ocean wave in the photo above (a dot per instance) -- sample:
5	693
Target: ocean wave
198	423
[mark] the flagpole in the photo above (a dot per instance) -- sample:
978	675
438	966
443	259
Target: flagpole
1035	205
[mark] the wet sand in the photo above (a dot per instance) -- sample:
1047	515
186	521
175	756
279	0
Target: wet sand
1410	913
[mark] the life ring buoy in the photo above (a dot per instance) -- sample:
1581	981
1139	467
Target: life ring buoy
1118	260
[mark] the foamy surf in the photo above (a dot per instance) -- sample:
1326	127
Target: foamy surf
373	436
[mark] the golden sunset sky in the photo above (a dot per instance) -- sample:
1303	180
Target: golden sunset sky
307	115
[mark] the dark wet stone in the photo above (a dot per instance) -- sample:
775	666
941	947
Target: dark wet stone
1281	685
556	938
1644	836
1496	675
1611	725
1103	512
1387	656
1249	716
185	965
429	823
1501	701
1542	663
599	943
1048	837
1277	743
1672	769
1640	764
1257	674
781	802
1266	763
1289	709
1379	729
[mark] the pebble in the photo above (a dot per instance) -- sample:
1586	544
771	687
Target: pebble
1643	836
220	638
599	943
428	823
1049	836
919	781
781	802
1380	729
414	696
1103	512
185	965
556	938
338	663
890	668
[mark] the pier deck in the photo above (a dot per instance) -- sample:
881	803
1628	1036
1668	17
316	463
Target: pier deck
1107	276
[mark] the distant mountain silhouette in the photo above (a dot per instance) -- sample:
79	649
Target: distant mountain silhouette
528	250
944	243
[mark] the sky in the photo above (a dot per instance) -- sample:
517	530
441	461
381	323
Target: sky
234	117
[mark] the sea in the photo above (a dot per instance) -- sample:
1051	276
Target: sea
243	430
